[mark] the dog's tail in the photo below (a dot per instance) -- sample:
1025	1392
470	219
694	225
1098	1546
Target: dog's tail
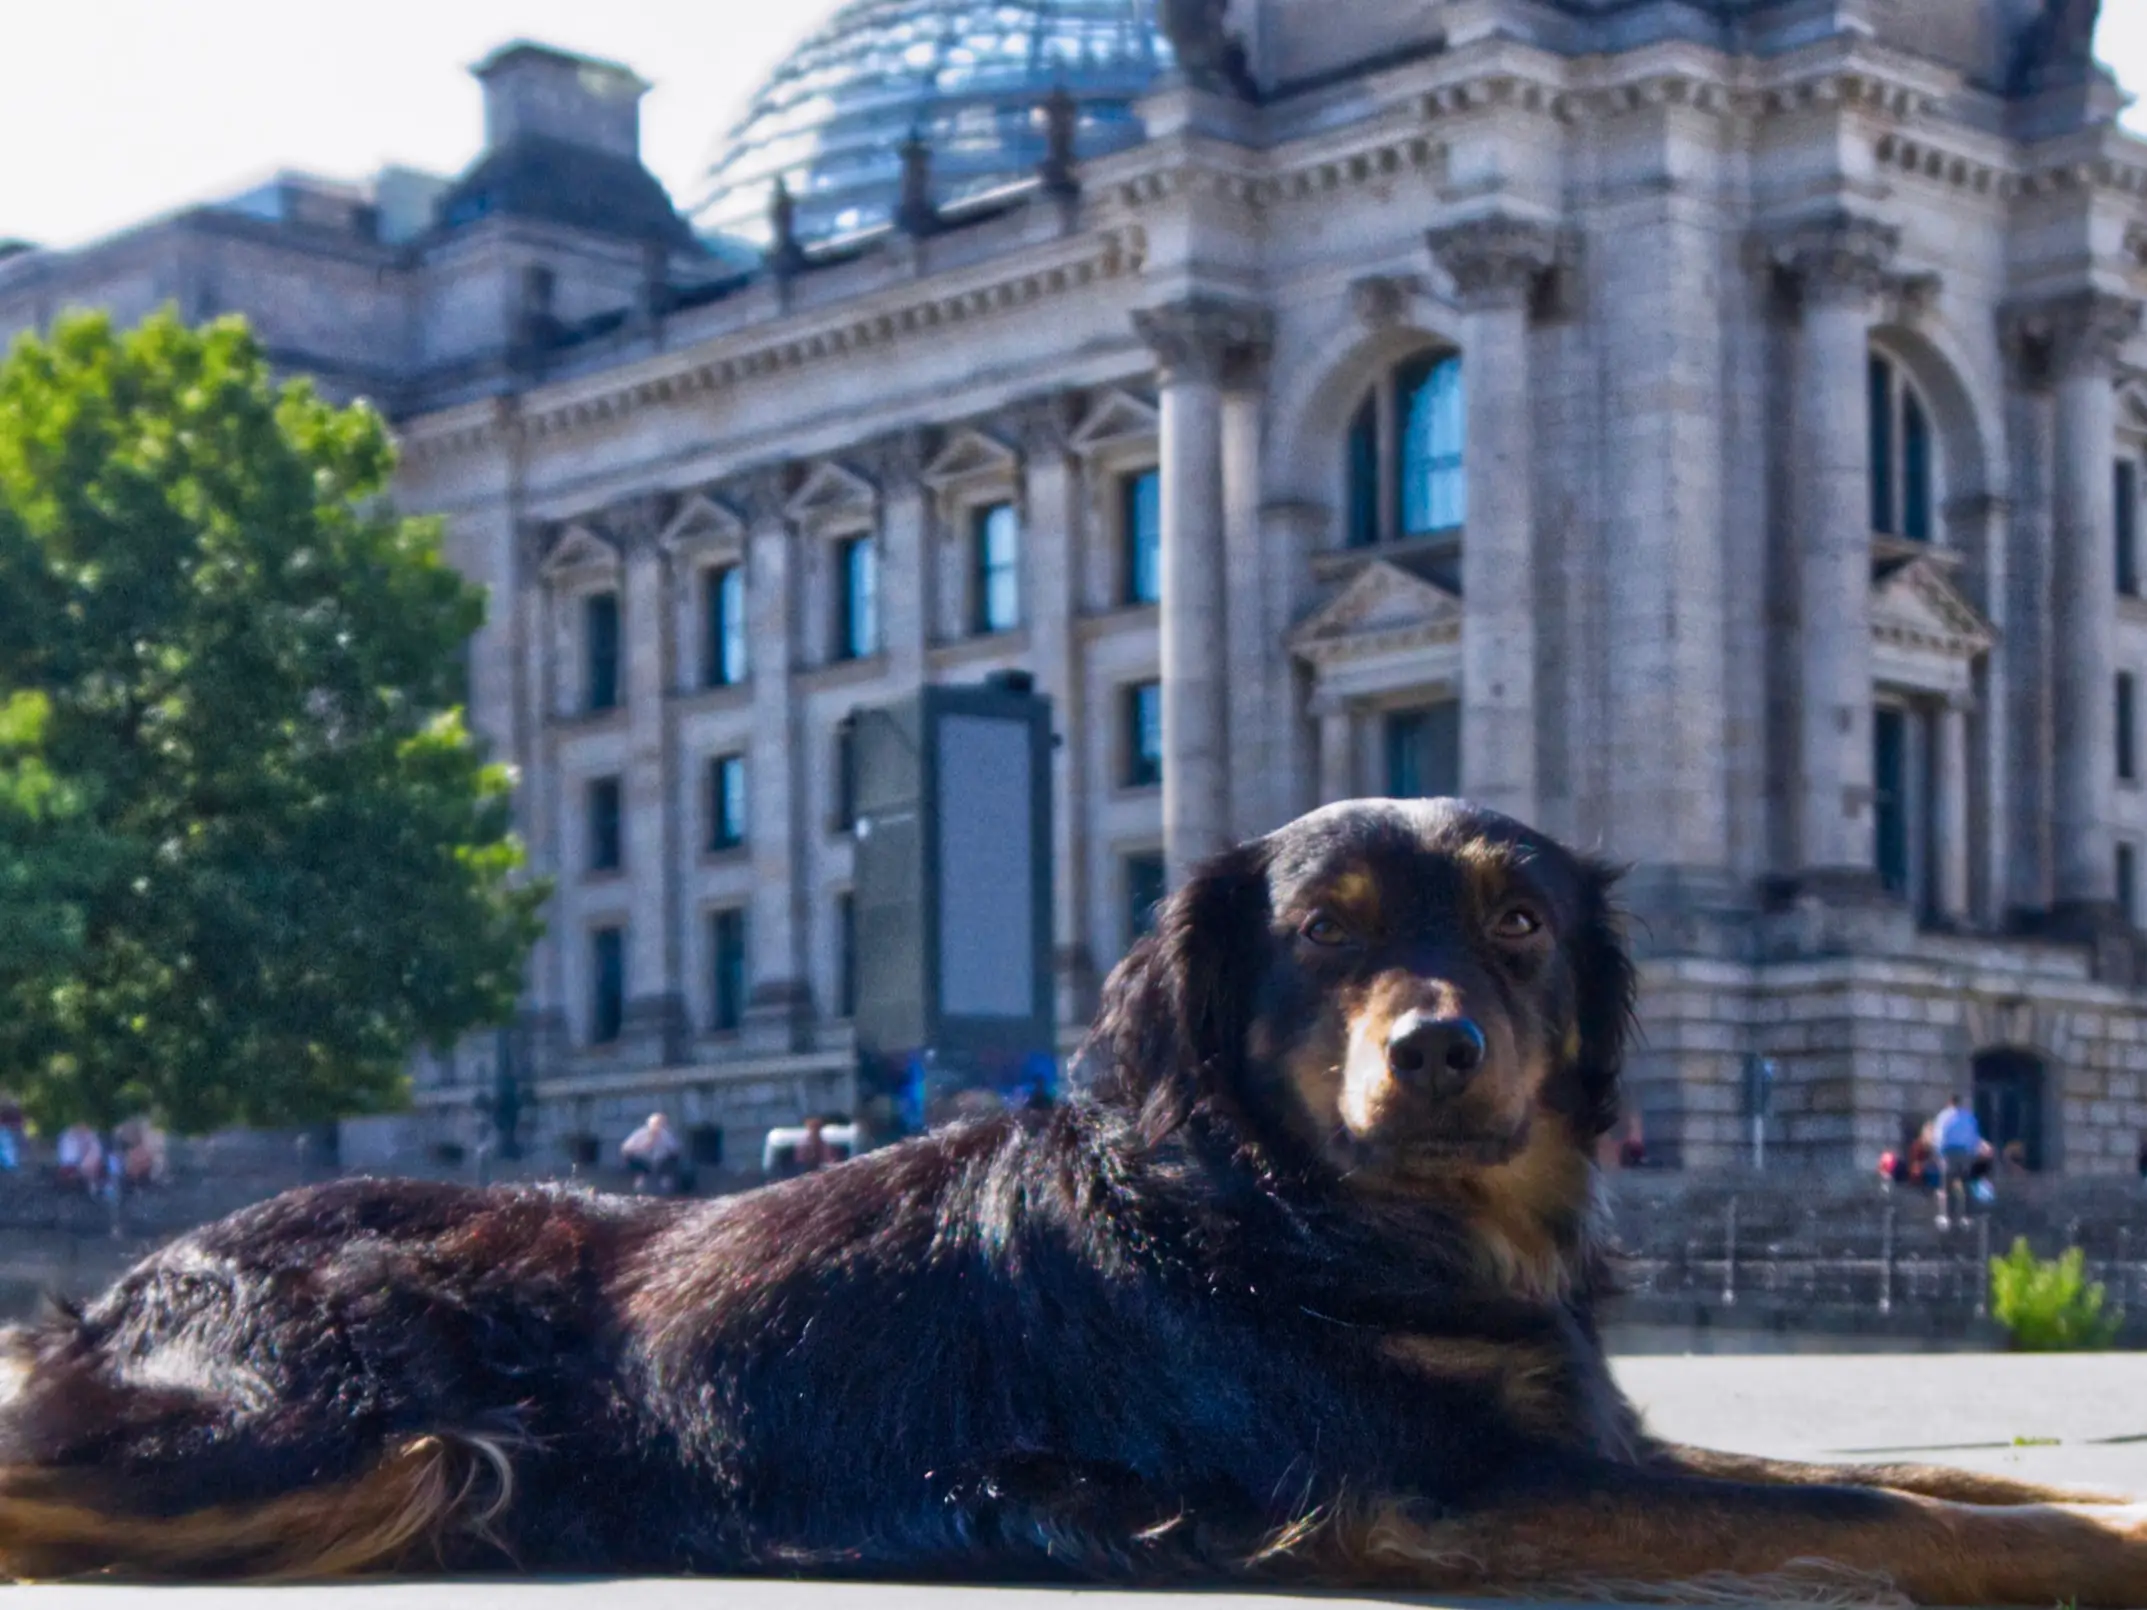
411	1509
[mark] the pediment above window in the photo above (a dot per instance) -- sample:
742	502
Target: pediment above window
703	525
579	555
1915	606
1925	634
830	490
970	455
1115	418
1384	609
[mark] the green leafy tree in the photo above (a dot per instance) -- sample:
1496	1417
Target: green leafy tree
2049	1304
250	857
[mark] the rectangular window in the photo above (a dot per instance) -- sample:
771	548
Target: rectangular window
726	802
857	624
600	643
2128	883
725	661
1424	752
996	537
1144	892
607	980
1890	782
1141	511
2127	727
727	961
1144	734
1880	375
606	852
846	954
2128	527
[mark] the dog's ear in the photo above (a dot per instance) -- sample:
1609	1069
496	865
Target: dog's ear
1170	1034
1606	986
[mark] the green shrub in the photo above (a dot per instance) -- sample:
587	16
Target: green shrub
2049	1304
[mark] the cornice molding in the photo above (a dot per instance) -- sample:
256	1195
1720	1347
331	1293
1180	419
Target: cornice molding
781	346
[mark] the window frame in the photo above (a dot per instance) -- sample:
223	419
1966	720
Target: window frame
2125	719
1905	472
1137	768
726	652
1139	920
604	813
1130	545
726	834
602	695
984	520
728	996
2128	486
857	630
607	984
1377	449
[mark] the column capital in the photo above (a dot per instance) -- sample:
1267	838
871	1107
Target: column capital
1206	338
763	493
1498	262
1843	258
635	523
1044	426
895	462
2076	335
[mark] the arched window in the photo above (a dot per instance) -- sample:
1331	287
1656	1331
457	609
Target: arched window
1902	458
1405	454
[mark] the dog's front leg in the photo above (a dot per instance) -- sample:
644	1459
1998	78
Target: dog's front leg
1930	1481
1638	1534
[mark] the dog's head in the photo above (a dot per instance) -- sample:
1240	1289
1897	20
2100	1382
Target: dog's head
1397	993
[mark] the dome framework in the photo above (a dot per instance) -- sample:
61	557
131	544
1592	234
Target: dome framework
967	78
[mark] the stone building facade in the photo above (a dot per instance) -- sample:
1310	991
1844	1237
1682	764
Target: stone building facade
1711	429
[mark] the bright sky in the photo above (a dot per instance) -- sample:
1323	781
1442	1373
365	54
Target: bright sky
112	111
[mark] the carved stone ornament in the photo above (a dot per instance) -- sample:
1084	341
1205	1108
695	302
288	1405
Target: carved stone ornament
2082	333
1206	338
1497	262
895	462
763	494
1209	57
1846	257
1382	300
2057	47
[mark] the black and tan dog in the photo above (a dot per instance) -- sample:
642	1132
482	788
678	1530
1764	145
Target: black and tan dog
1299	1290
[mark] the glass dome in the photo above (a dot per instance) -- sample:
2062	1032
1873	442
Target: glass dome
968	77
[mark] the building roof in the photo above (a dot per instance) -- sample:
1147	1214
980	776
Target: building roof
967	77
555	181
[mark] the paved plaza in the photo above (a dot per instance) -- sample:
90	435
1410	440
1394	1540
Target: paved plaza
2070	1420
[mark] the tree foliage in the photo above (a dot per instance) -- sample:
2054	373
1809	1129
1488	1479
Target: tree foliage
250	857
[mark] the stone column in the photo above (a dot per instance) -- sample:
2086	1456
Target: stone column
654	1027
779	1004
1051	523
543	1037
896	464
1338	751
1949	822
1256	657
1197	343
1840	267
2087	333
1497	266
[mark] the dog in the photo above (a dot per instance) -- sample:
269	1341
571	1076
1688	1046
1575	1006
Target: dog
1297	1288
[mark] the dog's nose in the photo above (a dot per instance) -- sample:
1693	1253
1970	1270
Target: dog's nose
1435	1054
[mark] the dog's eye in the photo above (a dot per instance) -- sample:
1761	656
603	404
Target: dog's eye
1517	922
1322	929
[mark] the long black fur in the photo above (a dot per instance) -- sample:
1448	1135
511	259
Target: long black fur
1130	1338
